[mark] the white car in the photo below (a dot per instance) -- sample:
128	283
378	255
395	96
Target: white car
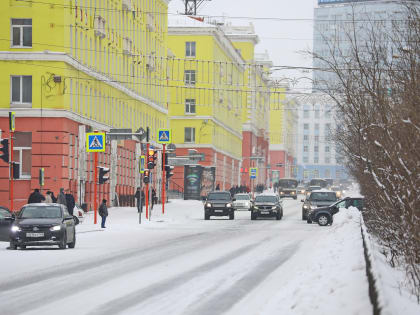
242	202
79	213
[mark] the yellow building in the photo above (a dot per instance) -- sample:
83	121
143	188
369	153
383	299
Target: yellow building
71	66
255	109
207	97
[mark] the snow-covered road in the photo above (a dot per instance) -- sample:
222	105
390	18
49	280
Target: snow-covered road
180	264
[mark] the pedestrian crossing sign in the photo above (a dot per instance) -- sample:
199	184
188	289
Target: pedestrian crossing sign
253	171
164	136
95	142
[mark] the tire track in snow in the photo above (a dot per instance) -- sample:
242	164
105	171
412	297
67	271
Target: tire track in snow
121	304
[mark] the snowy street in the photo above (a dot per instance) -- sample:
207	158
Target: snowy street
179	263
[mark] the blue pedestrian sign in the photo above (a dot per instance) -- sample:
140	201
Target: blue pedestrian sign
164	136
253	171
95	142
142	163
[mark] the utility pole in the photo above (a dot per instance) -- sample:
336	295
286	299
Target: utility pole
191	6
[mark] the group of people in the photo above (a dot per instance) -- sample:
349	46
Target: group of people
238	189
63	198
141	195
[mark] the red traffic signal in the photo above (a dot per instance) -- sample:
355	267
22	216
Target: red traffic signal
151	159
146	177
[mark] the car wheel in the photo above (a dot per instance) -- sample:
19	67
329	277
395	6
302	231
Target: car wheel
295	197
303	215
232	216
63	243
253	216
278	216
309	220
13	246
73	244
22	246
206	216
323	220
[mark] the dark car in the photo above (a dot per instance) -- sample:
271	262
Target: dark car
288	188
6	220
324	215
317	198
219	203
267	205
39	224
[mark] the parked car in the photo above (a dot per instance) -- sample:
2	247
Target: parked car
6	221
39	224
317	198
242	201
267	205
309	189
219	203
301	189
79	213
324	215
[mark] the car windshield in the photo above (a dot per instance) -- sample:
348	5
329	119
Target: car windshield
241	197
288	183
42	212
323	196
318	182
265	199
218	196
4	213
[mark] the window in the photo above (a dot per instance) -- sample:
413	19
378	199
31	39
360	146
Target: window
316	126
21	32
305	159
22	153
306	113
327	160
189	134
317	113
316	148
189	77
327	149
190	106
21	89
316	160
327	128
190	49
305	148
306	126
306	138
316	139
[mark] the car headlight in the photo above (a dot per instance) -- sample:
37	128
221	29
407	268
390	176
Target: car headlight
55	228
208	205
281	193
293	192
15	229
228	205
305	207
274	207
313	207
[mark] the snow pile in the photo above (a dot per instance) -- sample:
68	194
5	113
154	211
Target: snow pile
331	276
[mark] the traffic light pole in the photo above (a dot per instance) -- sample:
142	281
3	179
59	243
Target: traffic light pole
163	179
95	189
11	169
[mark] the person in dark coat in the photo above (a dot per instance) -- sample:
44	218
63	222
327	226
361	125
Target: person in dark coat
70	202
103	212
54	198
154	197
61	198
218	187
138	196
36	197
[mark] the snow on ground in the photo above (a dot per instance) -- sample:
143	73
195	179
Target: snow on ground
178	263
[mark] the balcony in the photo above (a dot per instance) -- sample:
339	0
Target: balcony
127	5
100	26
150	22
127	46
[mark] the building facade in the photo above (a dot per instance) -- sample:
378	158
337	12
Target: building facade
69	69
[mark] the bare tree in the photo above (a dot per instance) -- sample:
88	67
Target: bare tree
374	81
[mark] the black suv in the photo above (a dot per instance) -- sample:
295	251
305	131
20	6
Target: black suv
317	199
324	215
219	203
268	205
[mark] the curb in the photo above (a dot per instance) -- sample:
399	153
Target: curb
375	292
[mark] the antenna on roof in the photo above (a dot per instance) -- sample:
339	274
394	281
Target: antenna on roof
191	6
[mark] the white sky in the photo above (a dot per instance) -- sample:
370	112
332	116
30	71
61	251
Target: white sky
283	39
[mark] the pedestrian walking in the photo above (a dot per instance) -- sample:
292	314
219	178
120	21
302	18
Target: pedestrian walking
61	198
154	197
217	187
54	198
139	198
70	202
48	198
103	212
36	197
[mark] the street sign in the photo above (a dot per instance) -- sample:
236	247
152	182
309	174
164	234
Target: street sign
142	162
119	134
253	171
171	147
12	121
164	136
95	142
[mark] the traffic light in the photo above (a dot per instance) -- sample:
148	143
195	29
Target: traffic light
16	170
41	177
169	171
5	150
151	159
102	172
166	157
146	176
